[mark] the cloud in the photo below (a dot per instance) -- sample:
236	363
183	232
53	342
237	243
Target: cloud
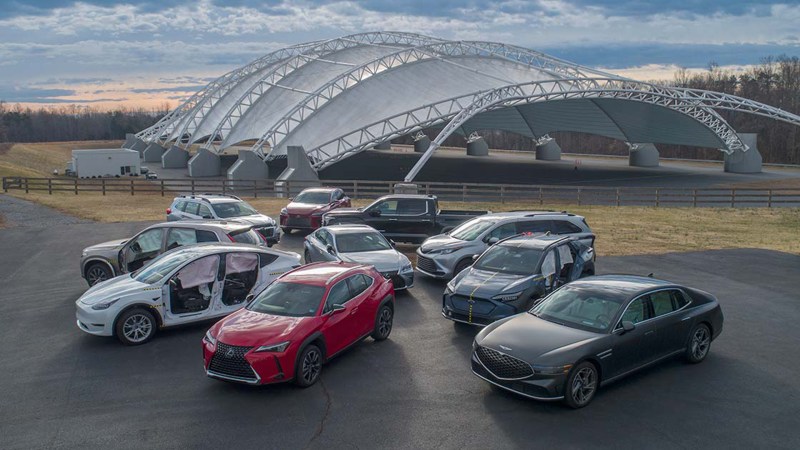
189	88
22	94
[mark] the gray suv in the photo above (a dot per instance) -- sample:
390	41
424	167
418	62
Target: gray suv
223	207
445	255
104	261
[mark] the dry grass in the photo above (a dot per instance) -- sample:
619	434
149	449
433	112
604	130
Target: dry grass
39	159
620	230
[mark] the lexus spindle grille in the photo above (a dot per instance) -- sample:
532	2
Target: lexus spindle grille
426	264
229	360
503	366
298	221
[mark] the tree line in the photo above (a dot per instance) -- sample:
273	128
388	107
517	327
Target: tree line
775	81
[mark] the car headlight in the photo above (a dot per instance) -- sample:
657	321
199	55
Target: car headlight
451	287
551	370
407	267
275	348
507	297
210	338
444	251
104	305
284	211
84	253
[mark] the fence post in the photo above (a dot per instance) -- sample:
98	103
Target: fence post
255	188
224	184
391	188
162	188
76	186
5	186
26	185
733	198
103	184
541	196
658	197
132	187
50	186
694	198
617	196
579	196
769	200
502	194
355	190
192	186
463	192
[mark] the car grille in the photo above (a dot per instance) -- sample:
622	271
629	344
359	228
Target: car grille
479	306
298	221
502	365
397	280
229	360
426	264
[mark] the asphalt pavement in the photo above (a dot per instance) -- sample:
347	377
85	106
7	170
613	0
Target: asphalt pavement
64	389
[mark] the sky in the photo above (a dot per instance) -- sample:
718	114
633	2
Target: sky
148	53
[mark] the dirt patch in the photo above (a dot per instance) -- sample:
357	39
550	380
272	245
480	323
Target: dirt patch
5	147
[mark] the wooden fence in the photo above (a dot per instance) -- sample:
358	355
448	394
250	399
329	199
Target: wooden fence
466	192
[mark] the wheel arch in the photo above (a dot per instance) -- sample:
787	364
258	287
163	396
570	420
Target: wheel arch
99	260
597	365
145	306
316	338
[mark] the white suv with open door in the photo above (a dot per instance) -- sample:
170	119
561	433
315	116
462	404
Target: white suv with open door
188	284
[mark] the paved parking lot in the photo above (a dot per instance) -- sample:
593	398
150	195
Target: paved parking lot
63	389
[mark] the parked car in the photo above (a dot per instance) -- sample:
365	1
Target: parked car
103	261
360	244
512	274
185	285
403	217
302	320
592	332
445	255
226	207
305	211
151	176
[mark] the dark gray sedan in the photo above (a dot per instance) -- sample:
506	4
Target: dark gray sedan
592	332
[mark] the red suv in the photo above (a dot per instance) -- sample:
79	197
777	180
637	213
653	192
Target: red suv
300	321
305	211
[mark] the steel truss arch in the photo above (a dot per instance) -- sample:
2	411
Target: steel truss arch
270	79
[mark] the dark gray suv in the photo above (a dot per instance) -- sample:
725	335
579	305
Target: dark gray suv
223	207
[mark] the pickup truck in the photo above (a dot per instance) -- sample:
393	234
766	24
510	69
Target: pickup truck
403	218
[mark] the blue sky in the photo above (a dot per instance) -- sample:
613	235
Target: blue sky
144	53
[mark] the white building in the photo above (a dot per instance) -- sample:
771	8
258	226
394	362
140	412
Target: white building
104	162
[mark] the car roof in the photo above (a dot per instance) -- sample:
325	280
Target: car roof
319	274
540	241
519	214
205	224
409	196
319	189
210	198
623	286
211	248
349	228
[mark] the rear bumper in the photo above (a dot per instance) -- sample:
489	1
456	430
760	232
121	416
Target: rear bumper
536	388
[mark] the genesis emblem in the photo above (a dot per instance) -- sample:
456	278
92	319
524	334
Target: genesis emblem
508	349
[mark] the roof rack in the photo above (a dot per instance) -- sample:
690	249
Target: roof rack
528	233
199	196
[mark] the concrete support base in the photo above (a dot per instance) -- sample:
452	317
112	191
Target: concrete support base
175	158
745	162
406	188
299	173
421	143
645	155
130	138
249	166
387	145
139	145
153	153
476	146
204	163
549	151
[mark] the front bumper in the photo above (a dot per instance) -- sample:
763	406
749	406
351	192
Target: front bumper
479	312
536	387
98	323
267	367
300	222
400	280
436	265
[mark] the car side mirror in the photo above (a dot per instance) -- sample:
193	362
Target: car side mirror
335	309
331	250
291	198
492	240
249	298
375	213
628	326
207	217
475	257
392	243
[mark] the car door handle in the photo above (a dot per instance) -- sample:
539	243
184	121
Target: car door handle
648	333
353	311
392	220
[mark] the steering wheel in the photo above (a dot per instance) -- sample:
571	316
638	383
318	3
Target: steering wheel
136	247
603	318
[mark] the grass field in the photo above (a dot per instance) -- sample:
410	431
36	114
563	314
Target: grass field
39	159
620	230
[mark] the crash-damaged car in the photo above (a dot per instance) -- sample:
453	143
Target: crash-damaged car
188	284
511	275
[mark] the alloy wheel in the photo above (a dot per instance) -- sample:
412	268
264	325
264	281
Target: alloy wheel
385	322
95	275
137	327
584	385
700	343
312	364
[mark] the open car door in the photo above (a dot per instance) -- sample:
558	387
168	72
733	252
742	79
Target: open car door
192	290
241	276
582	254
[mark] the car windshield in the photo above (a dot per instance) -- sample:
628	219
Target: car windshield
581	307
510	259
470	230
313	197
233	209
162	266
288	299
361	242
251	237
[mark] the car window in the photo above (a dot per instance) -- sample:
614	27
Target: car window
359	283
191	208
579	307
549	264
204	211
503	231
679	298
369	241
324	237
180	206
246	237
509	259
534	226
387	207
412	206
637	311
338	195
564	227
206	236
225	210
471	229
265	259
338	295
288	299
180	236
662	303
149	241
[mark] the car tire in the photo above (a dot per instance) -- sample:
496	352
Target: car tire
309	366
307	257
699	344
97	272
136	326
461	265
286	230
383	322
581	385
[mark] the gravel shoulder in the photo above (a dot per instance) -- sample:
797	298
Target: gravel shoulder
15	212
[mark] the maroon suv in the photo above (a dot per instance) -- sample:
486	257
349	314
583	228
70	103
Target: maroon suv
305	211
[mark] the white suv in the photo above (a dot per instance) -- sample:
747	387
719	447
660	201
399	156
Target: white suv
227	207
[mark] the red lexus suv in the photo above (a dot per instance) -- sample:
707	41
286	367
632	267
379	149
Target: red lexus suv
305	211
303	319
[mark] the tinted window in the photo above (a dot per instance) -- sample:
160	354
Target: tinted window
191	208
412	206
266	259
503	231
204	212
233	209
324	237
680	299
564	227
579	307
471	229
288	299
662	303
361	242
246	237
637	311
180	236
338	295
359	283
534	226
313	197
509	259
387	207
206	236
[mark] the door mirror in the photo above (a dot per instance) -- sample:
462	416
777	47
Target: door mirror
331	250
493	240
336	309
475	257
207	217
375	213
291	198
249	298
628	326
392	243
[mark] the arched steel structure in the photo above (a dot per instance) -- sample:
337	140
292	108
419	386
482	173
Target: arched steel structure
340	96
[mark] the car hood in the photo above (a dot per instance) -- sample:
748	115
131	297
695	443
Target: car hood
535	340
383	260
342	212
250	329
116	287
441	242
106	246
304	208
485	284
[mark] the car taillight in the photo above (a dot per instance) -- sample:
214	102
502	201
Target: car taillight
169	210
